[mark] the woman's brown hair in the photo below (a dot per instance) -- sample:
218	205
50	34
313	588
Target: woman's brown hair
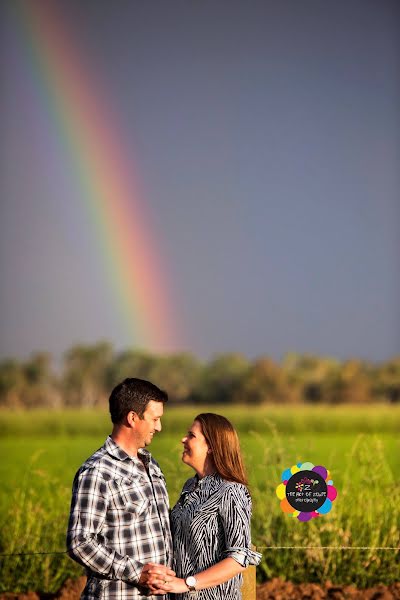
223	441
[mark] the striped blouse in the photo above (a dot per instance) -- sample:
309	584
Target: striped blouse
210	522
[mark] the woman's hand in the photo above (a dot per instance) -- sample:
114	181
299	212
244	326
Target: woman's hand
174	585
153	575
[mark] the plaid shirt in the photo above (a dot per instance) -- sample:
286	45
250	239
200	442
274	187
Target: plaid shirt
119	521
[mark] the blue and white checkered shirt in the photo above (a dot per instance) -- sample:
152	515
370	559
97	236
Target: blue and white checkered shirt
119	521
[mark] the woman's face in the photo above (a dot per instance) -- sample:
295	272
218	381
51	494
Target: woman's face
195	448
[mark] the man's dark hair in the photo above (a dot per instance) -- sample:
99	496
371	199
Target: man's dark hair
133	394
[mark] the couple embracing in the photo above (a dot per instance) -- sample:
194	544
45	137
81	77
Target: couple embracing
121	529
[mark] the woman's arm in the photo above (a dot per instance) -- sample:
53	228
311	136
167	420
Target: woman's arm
219	573
215	575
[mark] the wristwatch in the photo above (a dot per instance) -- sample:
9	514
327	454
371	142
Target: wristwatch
191	582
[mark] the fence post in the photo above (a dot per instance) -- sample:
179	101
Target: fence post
249	583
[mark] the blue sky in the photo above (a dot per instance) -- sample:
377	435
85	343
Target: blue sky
267	139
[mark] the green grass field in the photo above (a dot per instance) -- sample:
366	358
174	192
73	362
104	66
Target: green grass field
360	446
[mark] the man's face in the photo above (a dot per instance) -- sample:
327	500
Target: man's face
146	427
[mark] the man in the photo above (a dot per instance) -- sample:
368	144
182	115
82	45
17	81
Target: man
119	521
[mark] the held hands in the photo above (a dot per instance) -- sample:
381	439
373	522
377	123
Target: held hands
173	585
154	576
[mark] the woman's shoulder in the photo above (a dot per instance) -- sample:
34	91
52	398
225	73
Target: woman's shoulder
234	491
215	484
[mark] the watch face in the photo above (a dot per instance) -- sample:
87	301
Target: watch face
191	581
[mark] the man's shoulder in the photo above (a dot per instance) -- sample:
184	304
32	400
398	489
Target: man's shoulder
100	462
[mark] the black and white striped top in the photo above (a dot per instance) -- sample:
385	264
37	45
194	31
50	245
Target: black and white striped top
210	522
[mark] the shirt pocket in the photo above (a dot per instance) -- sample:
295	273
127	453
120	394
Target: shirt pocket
160	486
130	496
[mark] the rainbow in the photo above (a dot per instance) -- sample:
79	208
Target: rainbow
105	178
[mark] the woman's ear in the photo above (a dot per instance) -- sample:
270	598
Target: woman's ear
209	451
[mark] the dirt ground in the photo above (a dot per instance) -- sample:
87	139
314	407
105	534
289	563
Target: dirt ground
276	589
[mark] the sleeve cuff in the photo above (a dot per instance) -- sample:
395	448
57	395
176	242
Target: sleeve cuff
132	571
243	556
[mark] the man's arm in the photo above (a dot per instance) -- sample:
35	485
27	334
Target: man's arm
85	543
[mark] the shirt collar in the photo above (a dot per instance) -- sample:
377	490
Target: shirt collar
116	451
208	479
207	482
120	454
145	456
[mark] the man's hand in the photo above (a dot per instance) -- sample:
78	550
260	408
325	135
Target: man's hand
154	575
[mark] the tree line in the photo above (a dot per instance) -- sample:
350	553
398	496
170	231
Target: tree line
89	372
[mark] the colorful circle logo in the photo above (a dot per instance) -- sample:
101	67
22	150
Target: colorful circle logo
306	491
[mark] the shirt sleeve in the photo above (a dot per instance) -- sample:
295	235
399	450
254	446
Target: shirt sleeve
85	543
235	516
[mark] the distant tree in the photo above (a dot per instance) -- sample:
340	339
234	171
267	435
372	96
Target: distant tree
91	371
309	374
130	363
178	374
386	384
264	381
220	378
28	384
40	386
12	382
37	370
85	374
355	373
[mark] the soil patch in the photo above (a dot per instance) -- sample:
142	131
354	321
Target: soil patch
276	589
71	590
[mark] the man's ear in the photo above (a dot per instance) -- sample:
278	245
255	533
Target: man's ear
132	417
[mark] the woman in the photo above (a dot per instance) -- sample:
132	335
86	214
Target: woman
211	520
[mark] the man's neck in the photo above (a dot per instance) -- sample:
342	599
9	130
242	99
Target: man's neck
124	441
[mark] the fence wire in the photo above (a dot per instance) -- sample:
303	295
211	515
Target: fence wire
60	553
